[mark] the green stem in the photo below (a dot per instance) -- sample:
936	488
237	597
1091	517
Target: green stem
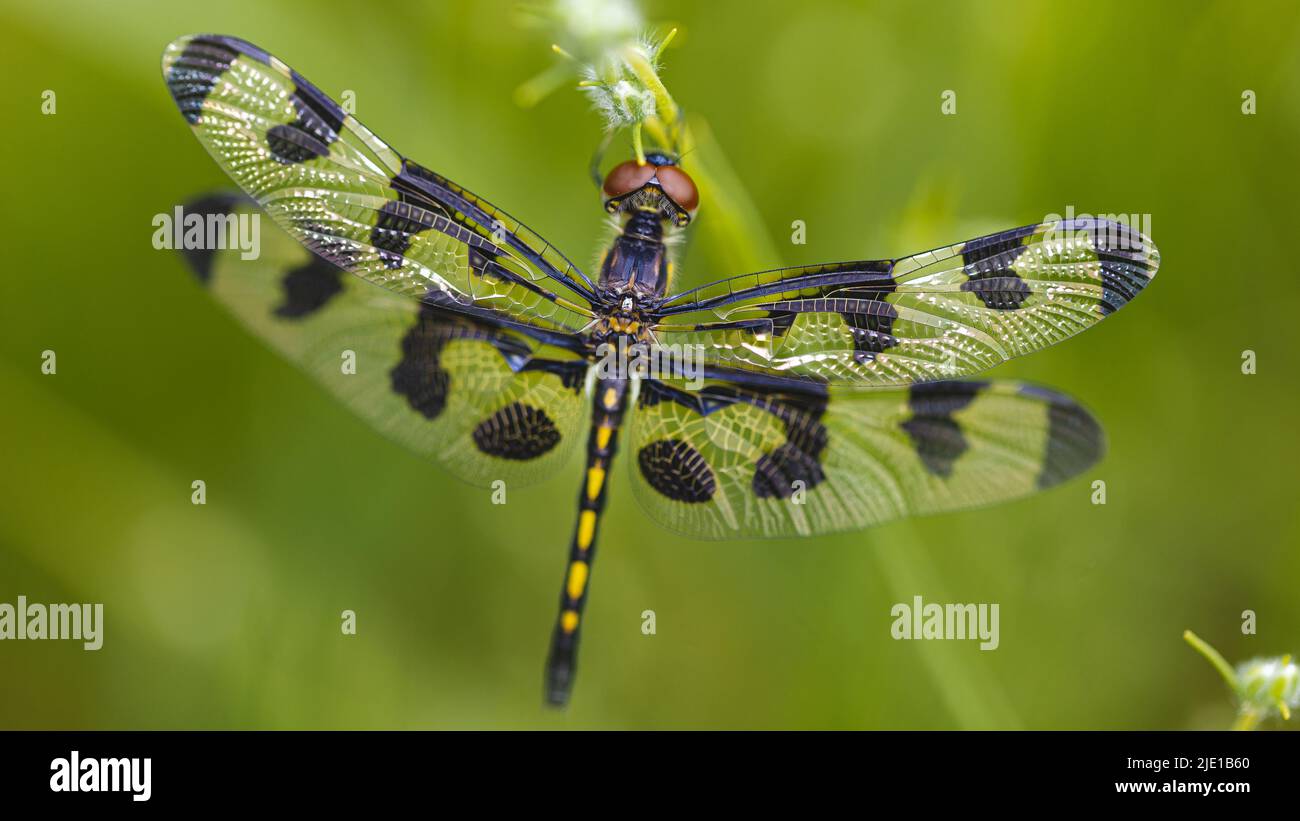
1212	656
636	144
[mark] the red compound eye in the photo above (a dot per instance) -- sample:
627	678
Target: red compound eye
679	187
627	177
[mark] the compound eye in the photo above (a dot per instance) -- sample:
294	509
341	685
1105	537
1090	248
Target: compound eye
627	177
679	187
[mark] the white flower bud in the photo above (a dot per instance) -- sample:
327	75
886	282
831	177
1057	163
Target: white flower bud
1270	686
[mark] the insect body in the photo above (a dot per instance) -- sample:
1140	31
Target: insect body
483	348
634	271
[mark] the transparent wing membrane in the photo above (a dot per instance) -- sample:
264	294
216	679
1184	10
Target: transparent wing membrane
729	462
349	197
483	402
941	314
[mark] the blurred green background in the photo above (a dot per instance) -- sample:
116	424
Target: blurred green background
227	615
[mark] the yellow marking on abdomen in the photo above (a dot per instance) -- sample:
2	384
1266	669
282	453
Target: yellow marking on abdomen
569	621
595	479
602	436
577	579
611	398
586	529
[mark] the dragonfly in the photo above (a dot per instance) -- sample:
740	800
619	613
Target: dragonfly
818	398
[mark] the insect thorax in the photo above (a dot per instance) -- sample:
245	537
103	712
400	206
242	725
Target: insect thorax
637	261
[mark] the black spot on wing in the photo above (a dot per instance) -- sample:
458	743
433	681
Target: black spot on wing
195	72
1075	440
1001	293
241	46
987	247
200	259
798	459
291	145
781	322
318	125
872	324
775	473
419	376
870	320
866	311
862	305
413	171
942	398
570	373
483	262
309	287
934	432
653	392
1119	284
677	471
988	262
316	111
323	240
417	185
398	221
518	432
1125	257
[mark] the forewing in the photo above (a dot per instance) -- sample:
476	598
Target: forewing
483	402
942	314
349	197
731	462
